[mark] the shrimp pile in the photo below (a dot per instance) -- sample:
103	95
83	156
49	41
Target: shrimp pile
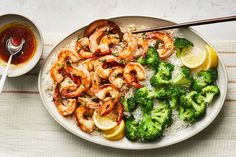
97	73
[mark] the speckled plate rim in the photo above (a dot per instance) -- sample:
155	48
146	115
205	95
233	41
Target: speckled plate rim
142	146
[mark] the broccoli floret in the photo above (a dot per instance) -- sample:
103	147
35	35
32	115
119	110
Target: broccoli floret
182	46
209	92
129	104
171	93
205	78
143	100
131	129
199	98
184	78
149	130
162	114
186	114
163	75
188	102
151	60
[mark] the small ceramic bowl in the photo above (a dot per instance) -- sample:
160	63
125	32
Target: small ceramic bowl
20	69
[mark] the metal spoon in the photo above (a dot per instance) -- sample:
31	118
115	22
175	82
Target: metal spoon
13	50
103	22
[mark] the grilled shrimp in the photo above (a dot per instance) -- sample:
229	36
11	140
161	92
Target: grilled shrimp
167	47
60	63
84	76
95	83
133	73
89	64
109	95
83	115
131	47
99	65
67	85
142	47
82	48
87	102
94	46
64	107
115	78
107	90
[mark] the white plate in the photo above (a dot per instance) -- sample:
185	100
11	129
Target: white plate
70	125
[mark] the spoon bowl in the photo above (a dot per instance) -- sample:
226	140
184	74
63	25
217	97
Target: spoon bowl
13	49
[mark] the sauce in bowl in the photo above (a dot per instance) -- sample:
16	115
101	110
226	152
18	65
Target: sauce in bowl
17	32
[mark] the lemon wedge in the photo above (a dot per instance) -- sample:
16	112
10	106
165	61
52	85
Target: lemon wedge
211	60
194	59
116	133
103	123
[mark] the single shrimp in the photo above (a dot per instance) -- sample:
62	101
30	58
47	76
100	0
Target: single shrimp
89	64
84	113
131	47
108	104
60	63
64	107
110	40
109	95
107	90
95	83
82	49
101	62
119	112
84	76
94	42
87	102
115	76
67	85
167	46
83	116
133	73
142	47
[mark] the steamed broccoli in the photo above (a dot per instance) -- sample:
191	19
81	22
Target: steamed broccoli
171	93
131	129
162	114
186	114
163	75
209	92
205	78
129	104
151	60
187	101
182	46
149	130
143	100
184	78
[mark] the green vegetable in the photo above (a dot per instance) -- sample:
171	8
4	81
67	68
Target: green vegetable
129	104
149	130
163	75
131	129
187	101
184	78
209	92
205	78
182	46
186	114
151	60
162	114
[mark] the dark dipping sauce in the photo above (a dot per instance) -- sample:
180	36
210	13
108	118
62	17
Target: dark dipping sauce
17	31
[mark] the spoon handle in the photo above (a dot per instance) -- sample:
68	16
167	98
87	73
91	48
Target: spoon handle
4	75
187	24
